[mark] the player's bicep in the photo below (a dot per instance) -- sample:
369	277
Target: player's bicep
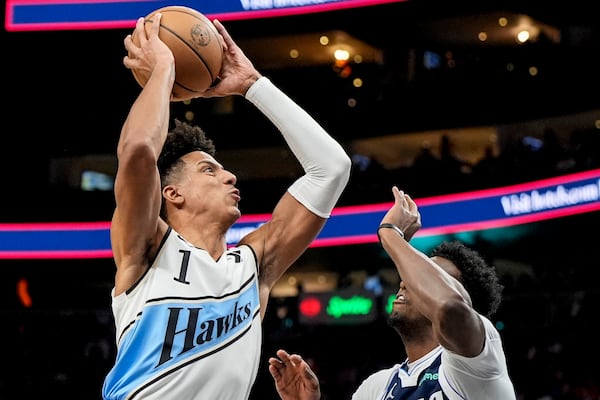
281	240
136	216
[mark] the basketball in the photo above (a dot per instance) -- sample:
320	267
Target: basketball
196	46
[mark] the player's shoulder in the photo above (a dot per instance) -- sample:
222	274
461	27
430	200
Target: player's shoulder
381	376
490	329
373	384
244	250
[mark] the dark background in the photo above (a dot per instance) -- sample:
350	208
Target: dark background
72	85
66	95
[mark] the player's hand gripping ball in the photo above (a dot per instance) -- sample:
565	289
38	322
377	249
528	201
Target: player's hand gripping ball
196	46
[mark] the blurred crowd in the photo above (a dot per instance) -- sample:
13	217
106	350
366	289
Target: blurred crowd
522	158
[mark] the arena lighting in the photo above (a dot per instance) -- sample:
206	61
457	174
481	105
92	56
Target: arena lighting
523	36
43	15
349	307
338	307
453	214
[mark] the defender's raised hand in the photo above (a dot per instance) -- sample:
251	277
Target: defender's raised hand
404	214
294	379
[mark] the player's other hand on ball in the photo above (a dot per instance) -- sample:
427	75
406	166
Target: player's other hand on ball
145	50
237	72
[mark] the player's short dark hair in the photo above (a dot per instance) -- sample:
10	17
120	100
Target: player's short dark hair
182	139
477	276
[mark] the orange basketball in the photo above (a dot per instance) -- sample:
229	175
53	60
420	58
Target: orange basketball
196	46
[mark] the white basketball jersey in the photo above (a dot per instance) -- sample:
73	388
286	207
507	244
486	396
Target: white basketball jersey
443	375
190	329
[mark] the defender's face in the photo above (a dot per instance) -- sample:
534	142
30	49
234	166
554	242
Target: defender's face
403	312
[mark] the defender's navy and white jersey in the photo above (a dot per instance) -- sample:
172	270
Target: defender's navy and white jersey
188	318
443	375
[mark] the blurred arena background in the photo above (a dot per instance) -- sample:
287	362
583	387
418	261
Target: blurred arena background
439	98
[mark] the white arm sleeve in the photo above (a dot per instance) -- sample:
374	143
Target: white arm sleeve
325	163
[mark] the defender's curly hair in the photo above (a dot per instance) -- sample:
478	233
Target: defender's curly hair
478	278
181	140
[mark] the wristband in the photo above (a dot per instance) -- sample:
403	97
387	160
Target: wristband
390	226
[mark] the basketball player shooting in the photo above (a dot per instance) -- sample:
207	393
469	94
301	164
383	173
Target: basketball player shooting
187	309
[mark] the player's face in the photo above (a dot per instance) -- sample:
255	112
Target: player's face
403	312
404	316
209	188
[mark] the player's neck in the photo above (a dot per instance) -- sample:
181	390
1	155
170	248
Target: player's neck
208	238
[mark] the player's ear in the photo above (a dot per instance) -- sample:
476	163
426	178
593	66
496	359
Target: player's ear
171	194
